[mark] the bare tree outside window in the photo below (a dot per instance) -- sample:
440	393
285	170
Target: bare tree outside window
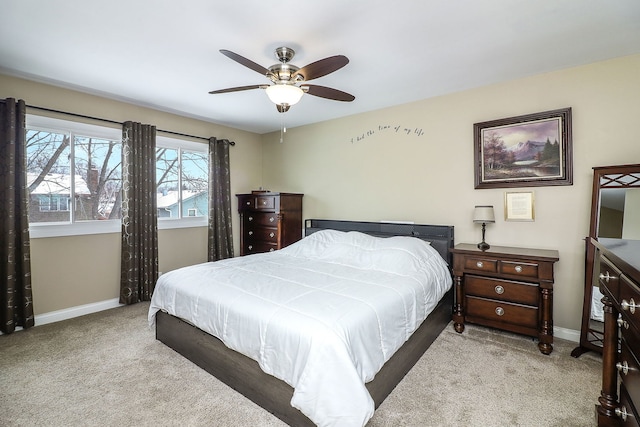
83	177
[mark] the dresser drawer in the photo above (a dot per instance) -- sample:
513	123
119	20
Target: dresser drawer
263	234
609	277
258	247
501	311
256	202
628	369
629	298
523	269
260	219
481	264
503	290
628	416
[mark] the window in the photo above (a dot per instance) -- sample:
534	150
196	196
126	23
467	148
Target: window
182	176
74	177
74	174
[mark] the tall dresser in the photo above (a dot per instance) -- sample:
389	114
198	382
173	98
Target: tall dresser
269	220
617	272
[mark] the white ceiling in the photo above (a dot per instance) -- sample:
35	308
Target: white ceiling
164	54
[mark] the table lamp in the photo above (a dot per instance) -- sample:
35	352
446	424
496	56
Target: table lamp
483	215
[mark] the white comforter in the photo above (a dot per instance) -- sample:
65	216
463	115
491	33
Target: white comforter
323	314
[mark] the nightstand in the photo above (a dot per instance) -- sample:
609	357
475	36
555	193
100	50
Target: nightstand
505	288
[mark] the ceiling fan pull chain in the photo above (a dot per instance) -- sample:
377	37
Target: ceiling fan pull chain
283	128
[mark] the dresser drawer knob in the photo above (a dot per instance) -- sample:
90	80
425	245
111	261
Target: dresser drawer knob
623	323
622	413
264	202
250	247
623	367
272	234
250	218
271	250
606	277
499	311
499	290
250	233
248	203
629	305
479	264
518	269
271	219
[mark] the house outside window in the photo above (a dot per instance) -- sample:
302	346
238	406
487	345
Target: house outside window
182	170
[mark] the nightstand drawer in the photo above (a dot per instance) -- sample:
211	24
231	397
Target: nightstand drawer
253	203
500	311
481	264
518	269
504	290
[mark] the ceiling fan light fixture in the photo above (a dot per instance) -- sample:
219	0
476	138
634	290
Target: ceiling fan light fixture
284	94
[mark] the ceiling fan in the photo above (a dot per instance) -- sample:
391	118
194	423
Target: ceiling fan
288	81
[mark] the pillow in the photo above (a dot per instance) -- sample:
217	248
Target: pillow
398	254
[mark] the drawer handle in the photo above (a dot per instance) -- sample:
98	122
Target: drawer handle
250	247
250	218
622	413
264	202
630	305
499	311
271	250
606	277
272	234
622	323
479	264
250	233
248	203
623	367
271	219
499	290
518	269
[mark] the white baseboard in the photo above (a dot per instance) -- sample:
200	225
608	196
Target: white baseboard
80	310
566	334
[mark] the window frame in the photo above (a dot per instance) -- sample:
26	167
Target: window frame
105	131
64	228
182	144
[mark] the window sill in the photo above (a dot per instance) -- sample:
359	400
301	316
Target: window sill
39	231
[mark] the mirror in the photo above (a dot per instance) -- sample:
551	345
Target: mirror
615	213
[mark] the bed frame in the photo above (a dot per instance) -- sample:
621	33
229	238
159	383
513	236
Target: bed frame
244	374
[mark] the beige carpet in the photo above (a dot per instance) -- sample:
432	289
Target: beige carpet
107	369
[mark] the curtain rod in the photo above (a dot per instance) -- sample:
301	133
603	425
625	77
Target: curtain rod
117	123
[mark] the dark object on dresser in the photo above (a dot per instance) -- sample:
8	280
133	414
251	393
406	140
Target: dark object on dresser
505	288
244	374
269	221
618	275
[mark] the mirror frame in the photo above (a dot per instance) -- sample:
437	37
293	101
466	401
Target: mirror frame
591	339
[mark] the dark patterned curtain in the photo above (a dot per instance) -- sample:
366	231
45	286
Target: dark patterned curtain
16	301
139	264
220	238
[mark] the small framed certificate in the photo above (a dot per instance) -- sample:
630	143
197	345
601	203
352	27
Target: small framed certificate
518	206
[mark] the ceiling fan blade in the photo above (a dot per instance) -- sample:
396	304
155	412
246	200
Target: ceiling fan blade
327	92
237	89
322	67
246	62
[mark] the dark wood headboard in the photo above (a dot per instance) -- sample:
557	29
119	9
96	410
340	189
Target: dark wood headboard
439	236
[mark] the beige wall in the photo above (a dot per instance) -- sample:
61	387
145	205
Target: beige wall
391	175
72	271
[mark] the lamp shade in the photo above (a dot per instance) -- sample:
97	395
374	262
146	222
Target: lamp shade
483	214
284	94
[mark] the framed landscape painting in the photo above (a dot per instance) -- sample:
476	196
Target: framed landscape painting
524	151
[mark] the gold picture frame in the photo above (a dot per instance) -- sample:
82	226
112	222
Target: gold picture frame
519	206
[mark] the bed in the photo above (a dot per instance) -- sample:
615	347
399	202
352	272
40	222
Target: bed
299	347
